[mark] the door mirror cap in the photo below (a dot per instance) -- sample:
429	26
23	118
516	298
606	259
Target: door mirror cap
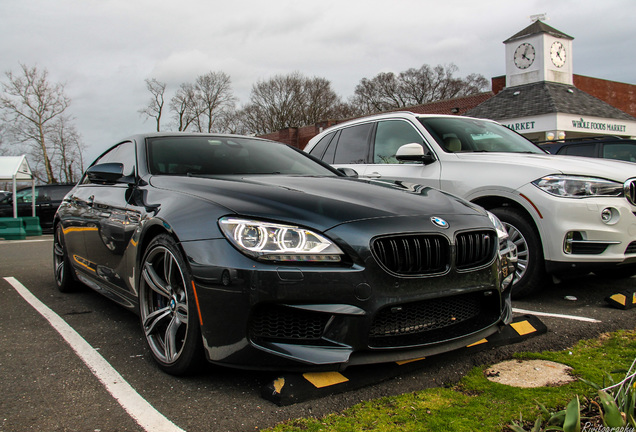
413	152
106	173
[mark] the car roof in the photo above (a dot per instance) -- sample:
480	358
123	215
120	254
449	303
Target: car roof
396	114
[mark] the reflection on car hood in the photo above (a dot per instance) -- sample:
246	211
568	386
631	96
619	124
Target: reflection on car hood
322	202
555	164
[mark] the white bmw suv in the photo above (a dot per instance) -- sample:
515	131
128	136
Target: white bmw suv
566	214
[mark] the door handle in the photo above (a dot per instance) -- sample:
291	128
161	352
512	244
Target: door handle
373	175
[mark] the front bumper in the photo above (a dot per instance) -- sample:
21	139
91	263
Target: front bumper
269	316
574	236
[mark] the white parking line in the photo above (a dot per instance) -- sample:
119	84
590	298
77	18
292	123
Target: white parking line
572	317
136	406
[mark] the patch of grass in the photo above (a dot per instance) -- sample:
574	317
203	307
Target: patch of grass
477	404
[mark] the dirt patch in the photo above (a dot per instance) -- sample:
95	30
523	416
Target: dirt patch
530	373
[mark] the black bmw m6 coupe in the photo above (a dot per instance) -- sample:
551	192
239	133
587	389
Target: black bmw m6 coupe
252	254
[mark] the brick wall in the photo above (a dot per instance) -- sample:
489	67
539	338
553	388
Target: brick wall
619	95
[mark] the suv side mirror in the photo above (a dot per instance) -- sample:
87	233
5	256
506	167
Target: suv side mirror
105	173
413	152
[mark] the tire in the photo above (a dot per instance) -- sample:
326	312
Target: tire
167	309
530	276
62	270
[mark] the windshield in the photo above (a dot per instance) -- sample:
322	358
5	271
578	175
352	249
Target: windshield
208	155
467	135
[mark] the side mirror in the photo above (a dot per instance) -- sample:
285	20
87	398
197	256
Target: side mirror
413	152
105	173
349	172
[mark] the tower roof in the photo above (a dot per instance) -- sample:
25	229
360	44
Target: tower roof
536	28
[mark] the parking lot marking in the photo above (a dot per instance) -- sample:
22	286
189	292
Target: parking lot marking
136	406
572	317
325	379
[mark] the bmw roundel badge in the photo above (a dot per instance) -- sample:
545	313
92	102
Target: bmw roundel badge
439	222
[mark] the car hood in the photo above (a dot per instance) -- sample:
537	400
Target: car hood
545	164
321	202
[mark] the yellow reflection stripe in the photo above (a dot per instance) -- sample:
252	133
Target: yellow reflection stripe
77	229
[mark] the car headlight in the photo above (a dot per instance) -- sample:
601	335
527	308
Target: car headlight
578	187
278	242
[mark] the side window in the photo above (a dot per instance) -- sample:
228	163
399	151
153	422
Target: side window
57	193
331	150
389	137
353	144
43	194
319	149
588	150
24	195
625	152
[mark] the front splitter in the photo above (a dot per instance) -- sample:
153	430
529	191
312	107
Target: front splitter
291	388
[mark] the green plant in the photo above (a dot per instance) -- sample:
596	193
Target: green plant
567	420
617	399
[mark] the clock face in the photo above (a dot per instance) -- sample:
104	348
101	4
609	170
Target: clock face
557	54
524	56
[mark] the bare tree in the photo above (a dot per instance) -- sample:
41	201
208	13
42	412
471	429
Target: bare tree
68	150
213	95
289	101
30	105
154	109
387	91
184	107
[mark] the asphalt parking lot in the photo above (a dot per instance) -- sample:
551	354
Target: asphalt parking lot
49	384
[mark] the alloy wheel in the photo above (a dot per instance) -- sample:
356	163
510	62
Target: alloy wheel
164	305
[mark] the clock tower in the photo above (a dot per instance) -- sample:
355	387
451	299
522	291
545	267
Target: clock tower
538	53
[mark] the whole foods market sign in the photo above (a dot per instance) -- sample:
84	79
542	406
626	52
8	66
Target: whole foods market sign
601	126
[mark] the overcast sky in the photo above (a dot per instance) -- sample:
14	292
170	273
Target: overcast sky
104	49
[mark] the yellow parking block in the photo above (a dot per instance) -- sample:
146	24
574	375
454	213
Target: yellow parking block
479	342
523	327
325	379
619	298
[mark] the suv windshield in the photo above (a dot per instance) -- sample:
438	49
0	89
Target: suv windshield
466	135
227	156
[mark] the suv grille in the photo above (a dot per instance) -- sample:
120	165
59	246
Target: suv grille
475	249
630	191
434	320
413	254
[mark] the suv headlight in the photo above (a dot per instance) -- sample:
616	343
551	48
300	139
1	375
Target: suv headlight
278	242
578	187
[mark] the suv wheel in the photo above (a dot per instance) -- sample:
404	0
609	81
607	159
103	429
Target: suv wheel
530	276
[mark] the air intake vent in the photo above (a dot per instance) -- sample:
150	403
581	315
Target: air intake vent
475	249
413	254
